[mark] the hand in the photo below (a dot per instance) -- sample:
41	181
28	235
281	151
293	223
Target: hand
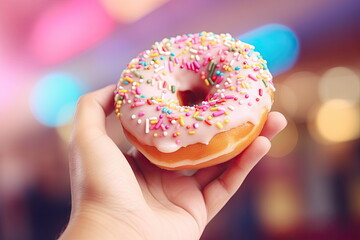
118	196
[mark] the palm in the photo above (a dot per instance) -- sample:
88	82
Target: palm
190	202
176	200
153	200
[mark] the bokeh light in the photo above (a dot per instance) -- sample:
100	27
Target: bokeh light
280	206
285	142
286	99
64	131
54	97
130	11
336	121
340	83
277	43
297	94
68	28
7	90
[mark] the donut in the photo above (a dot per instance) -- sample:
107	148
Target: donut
194	100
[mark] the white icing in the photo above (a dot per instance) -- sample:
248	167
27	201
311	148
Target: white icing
167	147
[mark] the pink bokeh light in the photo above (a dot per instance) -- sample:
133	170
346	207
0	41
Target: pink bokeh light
68	28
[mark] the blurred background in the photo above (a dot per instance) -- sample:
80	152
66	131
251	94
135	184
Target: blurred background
52	52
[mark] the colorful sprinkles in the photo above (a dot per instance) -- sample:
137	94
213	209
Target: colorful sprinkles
223	67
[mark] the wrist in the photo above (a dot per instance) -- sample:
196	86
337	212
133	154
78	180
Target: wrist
92	224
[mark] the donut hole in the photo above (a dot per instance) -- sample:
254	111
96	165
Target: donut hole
192	97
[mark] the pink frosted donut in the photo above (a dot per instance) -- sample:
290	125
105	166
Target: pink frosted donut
195	100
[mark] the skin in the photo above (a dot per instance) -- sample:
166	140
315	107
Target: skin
123	196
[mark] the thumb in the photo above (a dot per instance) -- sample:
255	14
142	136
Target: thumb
98	169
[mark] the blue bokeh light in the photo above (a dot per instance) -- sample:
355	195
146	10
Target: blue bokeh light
278	45
54	97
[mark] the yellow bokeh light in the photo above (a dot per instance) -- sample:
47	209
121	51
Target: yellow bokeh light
130	11
340	83
298	93
64	132
286	99
285	142
337	121
281	209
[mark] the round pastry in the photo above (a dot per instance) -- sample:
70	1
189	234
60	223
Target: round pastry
195	100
